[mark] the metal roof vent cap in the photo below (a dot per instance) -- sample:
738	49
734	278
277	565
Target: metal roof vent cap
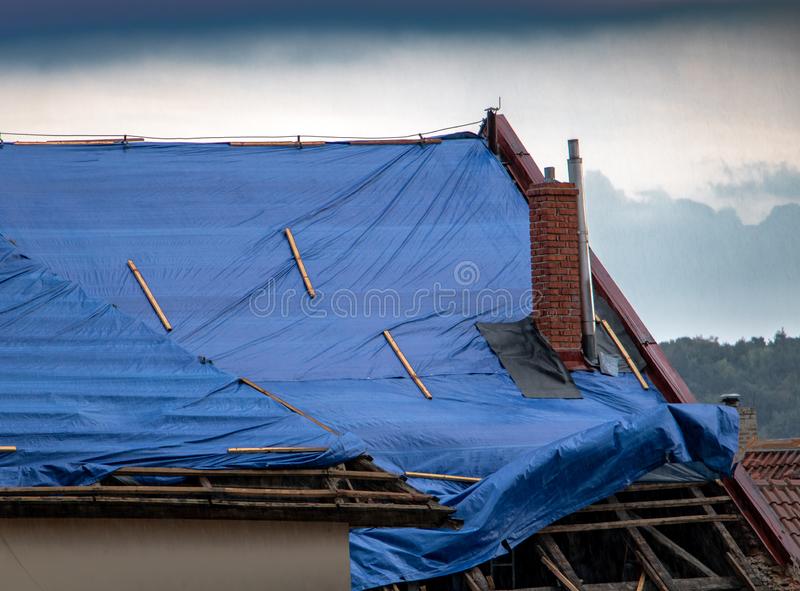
731	399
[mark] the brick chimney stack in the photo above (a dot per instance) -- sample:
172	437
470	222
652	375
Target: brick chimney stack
555	269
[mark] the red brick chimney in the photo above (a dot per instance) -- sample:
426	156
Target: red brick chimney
555	268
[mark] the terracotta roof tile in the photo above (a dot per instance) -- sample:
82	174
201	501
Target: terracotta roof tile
776	471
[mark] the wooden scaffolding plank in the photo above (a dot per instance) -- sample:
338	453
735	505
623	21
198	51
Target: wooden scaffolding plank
406	365
149	295
299	261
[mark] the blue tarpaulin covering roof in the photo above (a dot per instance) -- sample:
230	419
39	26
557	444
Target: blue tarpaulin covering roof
422	240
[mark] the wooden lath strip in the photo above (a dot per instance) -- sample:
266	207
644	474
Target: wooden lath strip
659	504
255	472
6	449
95	142
300	266
577	527
295	144
433	476
149	295
394	142
275	450
287	405
407	365
202	491
623	351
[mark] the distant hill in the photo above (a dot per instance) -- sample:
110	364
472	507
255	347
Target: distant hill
765	372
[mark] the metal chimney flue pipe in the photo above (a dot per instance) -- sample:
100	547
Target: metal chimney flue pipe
575	171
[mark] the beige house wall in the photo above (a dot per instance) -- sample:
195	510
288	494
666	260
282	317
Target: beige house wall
172	554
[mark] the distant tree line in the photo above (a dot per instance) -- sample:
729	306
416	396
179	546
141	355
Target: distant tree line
766	373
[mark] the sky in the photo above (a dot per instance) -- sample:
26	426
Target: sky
688	113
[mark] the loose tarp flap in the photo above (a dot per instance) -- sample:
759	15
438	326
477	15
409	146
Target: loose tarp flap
535	368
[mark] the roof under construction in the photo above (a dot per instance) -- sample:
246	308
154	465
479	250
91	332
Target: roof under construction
231	307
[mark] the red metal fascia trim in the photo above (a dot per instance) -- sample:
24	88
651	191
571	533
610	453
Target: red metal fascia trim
520	164
666	379
741	488
762	518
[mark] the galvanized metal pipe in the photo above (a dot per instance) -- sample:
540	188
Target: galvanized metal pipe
575	171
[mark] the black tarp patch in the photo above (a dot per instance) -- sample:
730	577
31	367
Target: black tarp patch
535	368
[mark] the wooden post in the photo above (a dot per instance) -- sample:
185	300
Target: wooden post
491	130
300	266
407	365
149	295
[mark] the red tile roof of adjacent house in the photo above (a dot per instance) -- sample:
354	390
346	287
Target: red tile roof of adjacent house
775	467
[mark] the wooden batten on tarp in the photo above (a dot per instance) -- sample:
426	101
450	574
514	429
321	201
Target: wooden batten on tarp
85	142
276	450
407	365
149	295
7	449
300	266
610	331
394	142
294	144
292	408
451	477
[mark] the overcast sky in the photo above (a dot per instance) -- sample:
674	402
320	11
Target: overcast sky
671	102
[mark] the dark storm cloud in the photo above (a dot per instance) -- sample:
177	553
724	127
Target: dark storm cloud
692	270
760	178
56	17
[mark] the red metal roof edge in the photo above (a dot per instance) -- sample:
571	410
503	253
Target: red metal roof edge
741	488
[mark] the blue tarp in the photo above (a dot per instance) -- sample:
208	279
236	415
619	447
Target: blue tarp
422	240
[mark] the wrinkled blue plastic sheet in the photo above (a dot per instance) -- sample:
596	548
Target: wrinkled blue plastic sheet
422	240
85	389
